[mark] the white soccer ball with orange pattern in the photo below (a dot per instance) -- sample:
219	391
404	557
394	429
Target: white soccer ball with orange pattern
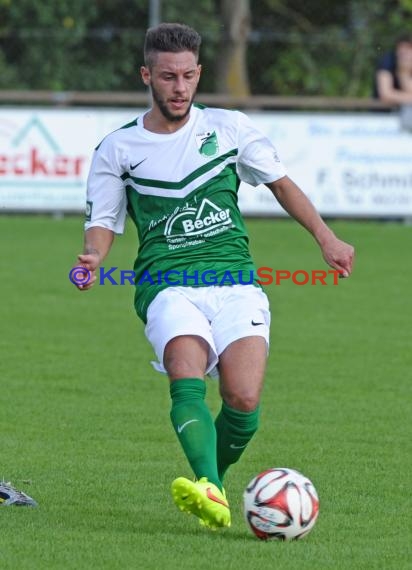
281	504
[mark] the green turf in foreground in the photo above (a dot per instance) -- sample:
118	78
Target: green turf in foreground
84	418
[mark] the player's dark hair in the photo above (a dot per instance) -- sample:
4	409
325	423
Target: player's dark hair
170	38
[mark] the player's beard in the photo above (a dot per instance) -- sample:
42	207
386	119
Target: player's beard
164	109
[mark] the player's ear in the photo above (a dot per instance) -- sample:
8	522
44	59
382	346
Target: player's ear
145	75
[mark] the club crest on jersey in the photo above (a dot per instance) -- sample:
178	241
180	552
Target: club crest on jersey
207	144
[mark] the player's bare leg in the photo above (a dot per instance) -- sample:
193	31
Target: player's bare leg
241	368
186	357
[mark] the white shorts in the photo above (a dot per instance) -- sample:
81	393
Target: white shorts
220	315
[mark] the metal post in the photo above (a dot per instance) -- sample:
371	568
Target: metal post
154	12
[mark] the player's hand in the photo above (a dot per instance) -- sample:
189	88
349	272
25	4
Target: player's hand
83	274
339	255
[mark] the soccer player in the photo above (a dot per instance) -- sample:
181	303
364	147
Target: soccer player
176	170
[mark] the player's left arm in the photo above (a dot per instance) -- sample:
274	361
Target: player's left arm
337	253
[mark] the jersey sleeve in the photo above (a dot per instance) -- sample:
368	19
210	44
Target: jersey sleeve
258	161
106	196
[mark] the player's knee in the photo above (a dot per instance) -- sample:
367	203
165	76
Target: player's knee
185	357
178	366
246	402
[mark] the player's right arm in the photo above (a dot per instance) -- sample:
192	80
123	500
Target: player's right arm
97	244
106	209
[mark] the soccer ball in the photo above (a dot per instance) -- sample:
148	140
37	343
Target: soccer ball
280	504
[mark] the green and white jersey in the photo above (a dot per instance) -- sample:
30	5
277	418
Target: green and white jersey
180	190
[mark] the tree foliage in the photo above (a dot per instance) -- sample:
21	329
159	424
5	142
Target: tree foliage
323	47
294	46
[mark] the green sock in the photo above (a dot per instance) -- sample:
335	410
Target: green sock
234	431
194	427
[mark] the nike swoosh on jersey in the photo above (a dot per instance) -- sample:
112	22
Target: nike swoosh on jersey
233	446
133	166
256	324
182	427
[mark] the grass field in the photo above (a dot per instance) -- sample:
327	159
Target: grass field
84	417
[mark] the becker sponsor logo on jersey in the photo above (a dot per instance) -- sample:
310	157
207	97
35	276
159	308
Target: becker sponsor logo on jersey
190	226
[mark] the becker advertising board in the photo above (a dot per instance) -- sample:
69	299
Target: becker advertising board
45	157
348	164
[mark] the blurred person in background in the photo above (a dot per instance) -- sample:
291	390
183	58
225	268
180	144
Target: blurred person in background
393	77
